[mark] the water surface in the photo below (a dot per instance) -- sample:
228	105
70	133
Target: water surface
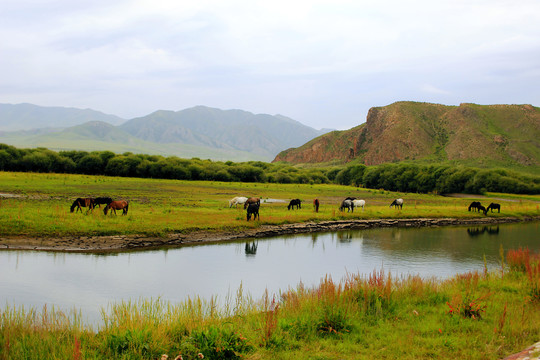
89	282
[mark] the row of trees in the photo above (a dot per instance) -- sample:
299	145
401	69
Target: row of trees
402	177
153	166
441	179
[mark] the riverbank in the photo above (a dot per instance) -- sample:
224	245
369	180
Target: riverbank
139	242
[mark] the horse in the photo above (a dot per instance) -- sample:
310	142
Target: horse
474	205
237	200
493	206
253	209
359	203
102	200
117	205
79	203
316	205
347	203
293	203
481	208
252	200
396	203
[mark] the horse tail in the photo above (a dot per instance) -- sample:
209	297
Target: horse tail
127	207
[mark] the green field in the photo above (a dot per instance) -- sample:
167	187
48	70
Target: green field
38	205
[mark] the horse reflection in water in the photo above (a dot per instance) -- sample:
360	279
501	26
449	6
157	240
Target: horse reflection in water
251	248
476	231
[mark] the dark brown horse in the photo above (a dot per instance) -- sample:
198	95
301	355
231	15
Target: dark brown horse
102	200
117	205
79	203
493	206
253	209
316	205
293	203
252	200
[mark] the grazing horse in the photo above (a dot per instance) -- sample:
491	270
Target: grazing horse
359	203
493	206
481	208
293	203
347	203
237	200
252	200
474	205
117	205
316	205
396	203
79	203
253	209
102	200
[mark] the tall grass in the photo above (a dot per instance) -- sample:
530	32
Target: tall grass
470	316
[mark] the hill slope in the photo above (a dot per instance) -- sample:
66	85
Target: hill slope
481	135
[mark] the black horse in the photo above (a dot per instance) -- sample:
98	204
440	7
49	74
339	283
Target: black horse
475	206
252	209
293	203
316	205
102	200
481	208
493	206
79	203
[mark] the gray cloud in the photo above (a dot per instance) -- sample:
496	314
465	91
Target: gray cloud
324	64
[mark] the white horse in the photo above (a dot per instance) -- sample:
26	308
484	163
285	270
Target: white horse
237	200
396	203
359	203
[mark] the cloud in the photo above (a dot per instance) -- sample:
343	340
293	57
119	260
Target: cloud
323	63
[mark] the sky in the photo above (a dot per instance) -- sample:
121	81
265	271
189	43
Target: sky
323	63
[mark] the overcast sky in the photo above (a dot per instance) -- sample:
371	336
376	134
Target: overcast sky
323	63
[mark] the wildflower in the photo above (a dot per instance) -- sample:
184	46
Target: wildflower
164	357
200	356
179	357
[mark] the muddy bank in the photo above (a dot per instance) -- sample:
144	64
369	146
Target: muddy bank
132	242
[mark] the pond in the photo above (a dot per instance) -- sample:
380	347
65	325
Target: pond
89	282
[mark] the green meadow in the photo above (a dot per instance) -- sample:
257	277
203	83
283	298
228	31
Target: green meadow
38	204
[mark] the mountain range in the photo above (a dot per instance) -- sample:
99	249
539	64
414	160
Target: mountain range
200	131
468	134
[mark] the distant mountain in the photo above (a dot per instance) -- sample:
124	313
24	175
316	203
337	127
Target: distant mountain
28	117
195	132
261	134
470	134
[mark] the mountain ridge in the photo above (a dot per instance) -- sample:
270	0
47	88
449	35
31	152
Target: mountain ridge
471	134
199	131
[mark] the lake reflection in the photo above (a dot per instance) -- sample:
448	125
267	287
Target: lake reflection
89	281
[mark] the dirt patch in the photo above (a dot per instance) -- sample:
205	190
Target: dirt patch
97	244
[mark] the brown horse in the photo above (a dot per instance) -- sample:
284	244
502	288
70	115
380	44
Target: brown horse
316	205
79	203
252	200
117	205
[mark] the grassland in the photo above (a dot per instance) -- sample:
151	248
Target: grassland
38	205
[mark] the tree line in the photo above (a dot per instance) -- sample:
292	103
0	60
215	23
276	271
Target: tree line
437	178
403	177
